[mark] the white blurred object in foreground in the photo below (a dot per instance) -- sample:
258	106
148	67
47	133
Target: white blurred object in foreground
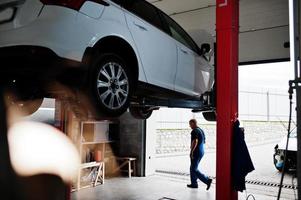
37	148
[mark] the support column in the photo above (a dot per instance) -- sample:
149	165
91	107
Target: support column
227	27
60	117
268	107
298	91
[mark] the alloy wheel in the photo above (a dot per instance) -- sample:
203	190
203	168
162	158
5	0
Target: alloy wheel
112	85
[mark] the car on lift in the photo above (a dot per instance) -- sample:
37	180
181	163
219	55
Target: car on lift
123	53
291	153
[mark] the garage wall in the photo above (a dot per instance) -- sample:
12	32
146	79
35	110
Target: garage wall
264	25
132	140
262	45
151	136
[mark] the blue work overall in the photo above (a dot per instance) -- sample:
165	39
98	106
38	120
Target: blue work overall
197	156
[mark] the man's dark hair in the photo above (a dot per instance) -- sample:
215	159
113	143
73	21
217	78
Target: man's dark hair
193	121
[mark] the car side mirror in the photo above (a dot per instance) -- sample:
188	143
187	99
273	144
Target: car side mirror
206	52
205	48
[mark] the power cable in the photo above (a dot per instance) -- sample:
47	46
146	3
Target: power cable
290	91
293	184
249	196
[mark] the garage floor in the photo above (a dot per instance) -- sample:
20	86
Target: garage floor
150	188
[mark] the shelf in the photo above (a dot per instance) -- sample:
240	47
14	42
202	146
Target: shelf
98	142
97	137
100	174
90	164
100	122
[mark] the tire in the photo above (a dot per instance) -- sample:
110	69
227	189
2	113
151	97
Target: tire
30	107
25	96
26	107
111	85
140	113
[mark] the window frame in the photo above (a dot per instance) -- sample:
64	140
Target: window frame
162	24
194	48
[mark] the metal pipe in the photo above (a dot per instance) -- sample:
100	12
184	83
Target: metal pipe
298	91
294	34
268	106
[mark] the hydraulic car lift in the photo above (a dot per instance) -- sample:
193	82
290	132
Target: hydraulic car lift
296	53
227	18
227	27
227	100
298	89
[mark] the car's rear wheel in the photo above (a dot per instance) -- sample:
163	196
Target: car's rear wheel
30	106
24	96
111	84
24	106
140	112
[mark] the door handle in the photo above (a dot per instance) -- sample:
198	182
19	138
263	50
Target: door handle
140	26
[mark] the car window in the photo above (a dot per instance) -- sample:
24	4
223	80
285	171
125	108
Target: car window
145	11
293	134
178	33
117	1
7	15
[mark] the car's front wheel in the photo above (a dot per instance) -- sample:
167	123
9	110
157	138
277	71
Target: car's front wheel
111	84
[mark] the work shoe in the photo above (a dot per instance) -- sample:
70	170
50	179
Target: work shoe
192	186
209	184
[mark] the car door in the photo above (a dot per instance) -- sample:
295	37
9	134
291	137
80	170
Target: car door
186	70
189	73
157	50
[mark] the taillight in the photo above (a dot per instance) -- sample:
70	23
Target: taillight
73	4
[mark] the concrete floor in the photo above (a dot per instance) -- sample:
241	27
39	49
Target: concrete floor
261	154
151	188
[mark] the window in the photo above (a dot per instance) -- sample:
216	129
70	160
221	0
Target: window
7	15
178	33
145	11
117	1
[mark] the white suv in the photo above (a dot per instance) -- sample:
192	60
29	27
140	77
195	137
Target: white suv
125	52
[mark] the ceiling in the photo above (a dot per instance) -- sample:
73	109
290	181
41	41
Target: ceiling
264	25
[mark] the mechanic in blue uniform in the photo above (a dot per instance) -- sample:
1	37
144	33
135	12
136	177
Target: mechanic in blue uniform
196	155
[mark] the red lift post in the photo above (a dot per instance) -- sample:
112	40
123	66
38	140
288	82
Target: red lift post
227	27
